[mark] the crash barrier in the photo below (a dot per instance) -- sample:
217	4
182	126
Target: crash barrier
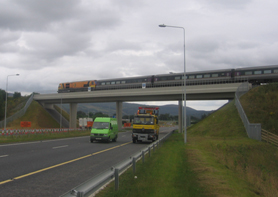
93	185
18	114
10	132
253	129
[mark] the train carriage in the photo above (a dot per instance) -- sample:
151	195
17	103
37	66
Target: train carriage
254	75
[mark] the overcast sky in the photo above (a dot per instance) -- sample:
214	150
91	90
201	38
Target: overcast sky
52	41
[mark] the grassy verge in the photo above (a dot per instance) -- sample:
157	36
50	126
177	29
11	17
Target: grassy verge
38	137
227	162
218	160
261	106
166	173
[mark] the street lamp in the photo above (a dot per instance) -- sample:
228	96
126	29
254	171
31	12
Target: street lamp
184	77
7	100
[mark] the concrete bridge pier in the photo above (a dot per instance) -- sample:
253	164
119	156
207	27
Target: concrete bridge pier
73	115
119	114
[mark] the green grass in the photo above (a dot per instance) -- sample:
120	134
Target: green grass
261	106
39	137
217	160
228	163
166	173
38	116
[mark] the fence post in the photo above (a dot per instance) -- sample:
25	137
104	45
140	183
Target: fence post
149	149
143	156
134	164
116	175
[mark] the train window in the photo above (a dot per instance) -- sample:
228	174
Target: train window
199	76
185	77
191	76
206	75
102	83
107	83
257	72
112	82
248	73
267	71
214	75
122	81
177	78
222	74
275	71
118	82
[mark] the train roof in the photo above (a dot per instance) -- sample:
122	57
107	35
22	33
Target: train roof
181	73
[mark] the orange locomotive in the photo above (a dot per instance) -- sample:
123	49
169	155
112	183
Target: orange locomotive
77	86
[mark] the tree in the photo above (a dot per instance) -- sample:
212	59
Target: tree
81	114
17	95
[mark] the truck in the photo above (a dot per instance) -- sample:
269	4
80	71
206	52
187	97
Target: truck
145	125
104	129
85	123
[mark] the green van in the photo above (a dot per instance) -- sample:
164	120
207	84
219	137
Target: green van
104	129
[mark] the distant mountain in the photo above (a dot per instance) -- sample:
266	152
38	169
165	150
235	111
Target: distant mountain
131	109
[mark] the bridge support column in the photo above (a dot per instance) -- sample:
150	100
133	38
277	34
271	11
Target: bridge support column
119	109
180	117
73	115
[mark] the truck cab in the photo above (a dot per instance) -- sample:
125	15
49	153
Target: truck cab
145	125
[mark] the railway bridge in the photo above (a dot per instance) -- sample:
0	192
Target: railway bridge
197	92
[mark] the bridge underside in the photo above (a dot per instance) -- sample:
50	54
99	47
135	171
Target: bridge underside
198	92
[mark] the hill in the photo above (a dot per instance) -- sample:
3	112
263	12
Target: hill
38	116
261	106
131	109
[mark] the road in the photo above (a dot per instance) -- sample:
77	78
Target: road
53	167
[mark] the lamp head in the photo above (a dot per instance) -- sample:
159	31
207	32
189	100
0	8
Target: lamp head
162	25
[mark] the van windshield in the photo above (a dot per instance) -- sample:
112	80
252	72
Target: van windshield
101	125
143	120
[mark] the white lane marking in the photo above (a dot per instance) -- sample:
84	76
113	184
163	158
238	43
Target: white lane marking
41	141
4	155
60	146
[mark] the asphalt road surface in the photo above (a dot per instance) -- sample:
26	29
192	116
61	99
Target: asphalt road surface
53	167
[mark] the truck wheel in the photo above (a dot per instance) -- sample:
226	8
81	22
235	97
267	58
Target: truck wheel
134	141
91	141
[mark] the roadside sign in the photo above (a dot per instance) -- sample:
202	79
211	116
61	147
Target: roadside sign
25	124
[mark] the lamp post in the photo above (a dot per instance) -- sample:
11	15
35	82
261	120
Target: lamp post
184	78
7	100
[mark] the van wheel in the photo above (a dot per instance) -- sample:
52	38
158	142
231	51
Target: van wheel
91	141
115	139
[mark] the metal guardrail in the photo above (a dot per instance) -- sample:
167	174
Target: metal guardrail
18	114
253	129
93	185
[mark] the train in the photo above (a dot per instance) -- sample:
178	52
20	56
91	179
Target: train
254	75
